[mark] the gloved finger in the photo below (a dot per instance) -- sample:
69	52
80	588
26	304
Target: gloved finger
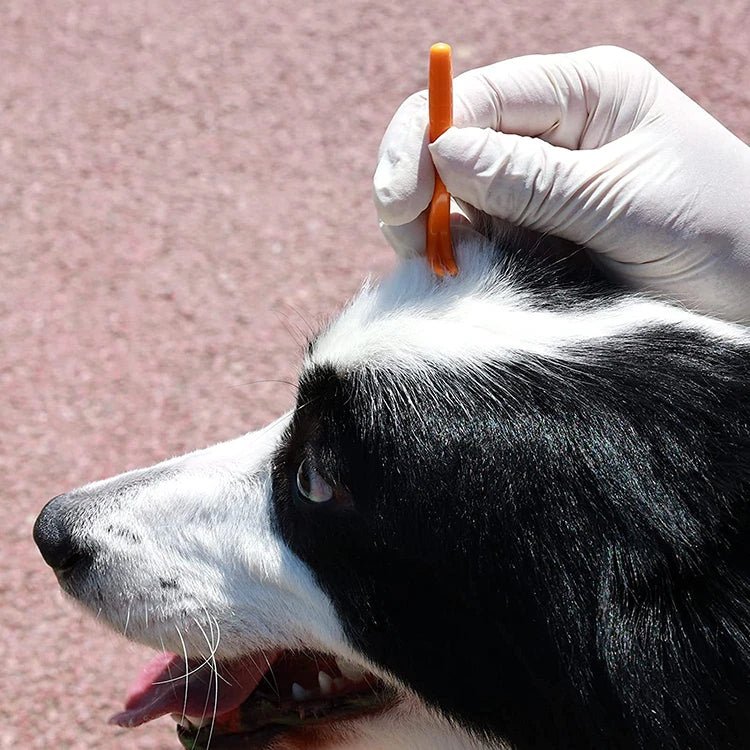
404	177
576	100
523	180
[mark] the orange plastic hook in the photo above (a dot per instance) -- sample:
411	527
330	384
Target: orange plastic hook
440	102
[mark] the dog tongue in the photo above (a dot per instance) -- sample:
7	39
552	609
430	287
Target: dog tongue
160	688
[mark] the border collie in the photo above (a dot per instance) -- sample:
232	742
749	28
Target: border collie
510	510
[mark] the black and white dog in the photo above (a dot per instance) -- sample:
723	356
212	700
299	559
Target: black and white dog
510	510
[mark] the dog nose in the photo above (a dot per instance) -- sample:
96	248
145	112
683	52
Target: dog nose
53	536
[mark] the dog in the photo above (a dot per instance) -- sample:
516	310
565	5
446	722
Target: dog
510	510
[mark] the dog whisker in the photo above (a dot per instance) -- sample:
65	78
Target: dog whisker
216	691
212	647
187	674
311	332
127	618
215	650
206	658
295	334
275	685
266	380
212	674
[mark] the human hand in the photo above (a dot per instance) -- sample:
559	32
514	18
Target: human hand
596	147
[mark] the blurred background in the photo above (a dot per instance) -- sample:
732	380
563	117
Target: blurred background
184	195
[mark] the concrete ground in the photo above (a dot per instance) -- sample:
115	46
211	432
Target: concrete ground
184	192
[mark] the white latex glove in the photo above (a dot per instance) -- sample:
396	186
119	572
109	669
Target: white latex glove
622	162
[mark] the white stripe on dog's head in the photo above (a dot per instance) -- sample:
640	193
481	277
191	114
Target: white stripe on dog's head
414	318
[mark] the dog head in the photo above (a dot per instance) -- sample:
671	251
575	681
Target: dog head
499	498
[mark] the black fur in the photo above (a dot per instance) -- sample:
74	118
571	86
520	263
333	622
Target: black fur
555	552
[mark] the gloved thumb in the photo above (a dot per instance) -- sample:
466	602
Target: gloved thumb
521	179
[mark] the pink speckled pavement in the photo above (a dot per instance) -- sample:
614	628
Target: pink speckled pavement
184	192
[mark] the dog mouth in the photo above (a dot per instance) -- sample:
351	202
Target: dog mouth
249	701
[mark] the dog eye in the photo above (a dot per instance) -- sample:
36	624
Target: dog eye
311	485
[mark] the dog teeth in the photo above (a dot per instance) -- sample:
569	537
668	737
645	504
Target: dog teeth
325	681
351	671
299	693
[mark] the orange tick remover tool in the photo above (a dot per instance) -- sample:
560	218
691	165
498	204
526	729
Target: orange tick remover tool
440	101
